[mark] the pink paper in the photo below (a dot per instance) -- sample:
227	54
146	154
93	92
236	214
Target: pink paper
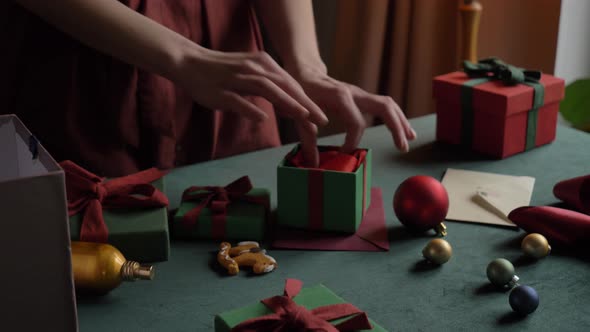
371	235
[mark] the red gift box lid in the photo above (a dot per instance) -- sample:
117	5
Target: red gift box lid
494	96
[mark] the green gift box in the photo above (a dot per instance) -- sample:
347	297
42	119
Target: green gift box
234	212
140	233
310	298
320	199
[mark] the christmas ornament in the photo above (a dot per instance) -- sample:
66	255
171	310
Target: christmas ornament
524	300
421	203
501	273
438	251
535	245
99	268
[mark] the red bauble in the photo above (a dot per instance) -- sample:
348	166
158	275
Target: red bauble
421	203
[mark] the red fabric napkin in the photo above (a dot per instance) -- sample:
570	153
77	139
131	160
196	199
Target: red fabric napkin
575	192
561	227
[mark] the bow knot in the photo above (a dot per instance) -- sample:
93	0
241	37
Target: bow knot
89	194
289	316
100	192
497	69
217	199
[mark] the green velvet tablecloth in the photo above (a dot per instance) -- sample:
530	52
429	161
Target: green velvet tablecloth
392	287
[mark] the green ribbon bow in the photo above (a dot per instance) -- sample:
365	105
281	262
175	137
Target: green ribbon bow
494	69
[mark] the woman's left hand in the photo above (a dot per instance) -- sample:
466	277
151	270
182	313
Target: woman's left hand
348	103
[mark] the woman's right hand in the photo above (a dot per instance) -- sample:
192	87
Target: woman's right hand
221	80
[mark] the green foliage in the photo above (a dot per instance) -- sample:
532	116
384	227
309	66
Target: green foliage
575	107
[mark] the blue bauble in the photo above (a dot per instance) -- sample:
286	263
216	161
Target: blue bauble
524	299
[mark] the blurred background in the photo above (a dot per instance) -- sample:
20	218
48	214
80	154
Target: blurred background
396	47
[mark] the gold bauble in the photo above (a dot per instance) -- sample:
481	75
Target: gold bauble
99	268
535	245
438	251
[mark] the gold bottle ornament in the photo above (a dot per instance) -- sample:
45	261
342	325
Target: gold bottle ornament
99	268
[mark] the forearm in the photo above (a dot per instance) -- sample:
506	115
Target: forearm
291	29
114	29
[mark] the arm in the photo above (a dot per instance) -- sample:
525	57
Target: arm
216	80
115	29
291	29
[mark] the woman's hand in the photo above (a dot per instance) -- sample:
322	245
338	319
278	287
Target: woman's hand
348	103
220	81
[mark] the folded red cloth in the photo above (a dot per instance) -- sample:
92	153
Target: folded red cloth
331	159
575	192
560	226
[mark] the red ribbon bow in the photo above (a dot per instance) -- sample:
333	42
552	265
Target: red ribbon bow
288	316
217	199
89	194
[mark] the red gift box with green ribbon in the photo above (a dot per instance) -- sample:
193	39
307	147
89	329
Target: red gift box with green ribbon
497	109
332	197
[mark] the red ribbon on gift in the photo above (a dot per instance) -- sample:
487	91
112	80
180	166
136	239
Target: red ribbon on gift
217	199
88	194
331	159
289	316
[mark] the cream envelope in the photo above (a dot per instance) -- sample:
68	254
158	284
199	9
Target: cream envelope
485	198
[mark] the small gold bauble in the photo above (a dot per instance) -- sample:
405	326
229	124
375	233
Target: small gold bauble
438	251
535	245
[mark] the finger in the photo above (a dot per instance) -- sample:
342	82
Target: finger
384	108
308	135
267	67
262	86
233	102
410	132
353	120
289	85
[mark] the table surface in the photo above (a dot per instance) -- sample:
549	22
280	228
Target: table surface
393	287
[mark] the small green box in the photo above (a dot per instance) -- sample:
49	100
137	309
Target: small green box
310	298
140	234
341	200
244	220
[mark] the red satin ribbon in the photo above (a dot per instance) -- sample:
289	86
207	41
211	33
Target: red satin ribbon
89	194
331	159
217	199
288	316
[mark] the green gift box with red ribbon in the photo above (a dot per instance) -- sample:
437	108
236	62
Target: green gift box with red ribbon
234	212
332	197
128	212
497	109
298	309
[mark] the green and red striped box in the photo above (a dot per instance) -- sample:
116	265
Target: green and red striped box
325	200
